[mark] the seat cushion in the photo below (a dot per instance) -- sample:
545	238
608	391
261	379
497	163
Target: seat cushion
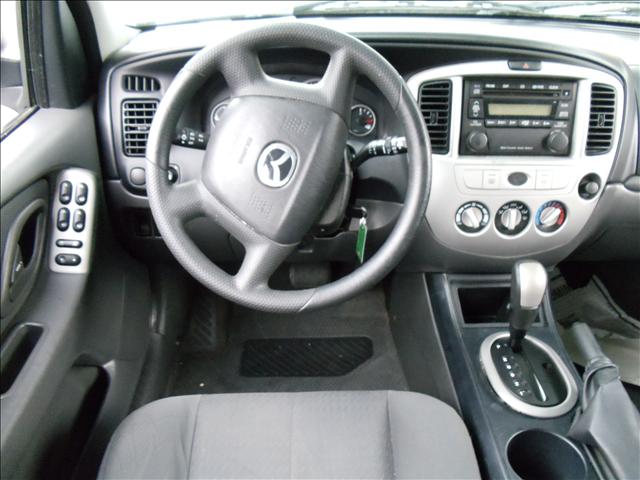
292	435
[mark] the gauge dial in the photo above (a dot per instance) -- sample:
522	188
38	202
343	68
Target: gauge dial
217	112
363	120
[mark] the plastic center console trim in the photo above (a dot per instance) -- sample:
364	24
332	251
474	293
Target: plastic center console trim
508	397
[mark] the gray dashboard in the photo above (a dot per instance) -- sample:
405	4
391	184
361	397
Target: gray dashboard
422	50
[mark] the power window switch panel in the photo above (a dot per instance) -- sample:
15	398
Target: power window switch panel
68	259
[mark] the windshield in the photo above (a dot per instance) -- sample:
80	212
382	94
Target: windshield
143	14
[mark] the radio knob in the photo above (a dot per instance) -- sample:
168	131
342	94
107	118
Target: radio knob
477	141
557	141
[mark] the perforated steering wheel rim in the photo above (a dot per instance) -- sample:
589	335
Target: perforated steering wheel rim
269	242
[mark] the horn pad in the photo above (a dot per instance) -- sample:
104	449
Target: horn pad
273	162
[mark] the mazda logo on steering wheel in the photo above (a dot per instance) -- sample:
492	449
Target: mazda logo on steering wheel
276	165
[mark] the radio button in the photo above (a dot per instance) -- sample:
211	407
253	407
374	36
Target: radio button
518	178
475	108
473	178
544	180
491	179
490	123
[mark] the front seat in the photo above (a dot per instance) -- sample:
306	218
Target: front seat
292	435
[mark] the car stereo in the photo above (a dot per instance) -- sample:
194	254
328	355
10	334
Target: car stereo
517	116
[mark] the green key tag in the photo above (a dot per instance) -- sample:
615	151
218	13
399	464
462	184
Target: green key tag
362	239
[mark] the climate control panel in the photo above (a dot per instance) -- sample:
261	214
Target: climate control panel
512	218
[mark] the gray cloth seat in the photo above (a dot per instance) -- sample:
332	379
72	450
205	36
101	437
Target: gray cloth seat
292	435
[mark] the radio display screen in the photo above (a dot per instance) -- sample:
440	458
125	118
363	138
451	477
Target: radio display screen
520	109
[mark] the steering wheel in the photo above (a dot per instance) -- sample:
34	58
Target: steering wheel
272	163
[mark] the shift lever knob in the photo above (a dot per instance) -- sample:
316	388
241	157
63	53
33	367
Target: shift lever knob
528	284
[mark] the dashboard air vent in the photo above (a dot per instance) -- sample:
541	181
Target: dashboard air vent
435	104
601	119
137	116
139	83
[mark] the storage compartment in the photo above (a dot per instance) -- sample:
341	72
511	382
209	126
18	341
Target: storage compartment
62	434
15	352
482	304
535	454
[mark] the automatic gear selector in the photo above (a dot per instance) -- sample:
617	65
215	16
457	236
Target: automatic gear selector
525	372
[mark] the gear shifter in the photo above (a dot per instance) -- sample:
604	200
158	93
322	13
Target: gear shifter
528	284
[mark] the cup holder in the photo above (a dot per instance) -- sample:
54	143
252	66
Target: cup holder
535	454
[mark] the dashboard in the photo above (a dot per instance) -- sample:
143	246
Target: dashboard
534	146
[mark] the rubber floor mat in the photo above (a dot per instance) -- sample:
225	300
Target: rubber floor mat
304	357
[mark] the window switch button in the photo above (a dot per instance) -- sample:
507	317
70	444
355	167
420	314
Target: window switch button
63	219
65	192
82	192
79	219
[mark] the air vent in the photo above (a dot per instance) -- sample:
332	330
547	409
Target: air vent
435	104
139	83
601	119
137	116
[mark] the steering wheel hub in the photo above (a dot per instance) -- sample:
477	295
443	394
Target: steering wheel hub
274	162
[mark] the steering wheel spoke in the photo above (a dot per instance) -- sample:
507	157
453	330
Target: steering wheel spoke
184	201
242	71
261	260
338	82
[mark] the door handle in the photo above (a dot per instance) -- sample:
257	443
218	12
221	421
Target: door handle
22	256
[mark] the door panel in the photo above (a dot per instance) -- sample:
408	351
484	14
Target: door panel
73	341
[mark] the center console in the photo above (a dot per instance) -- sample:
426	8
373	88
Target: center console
529	148
519	402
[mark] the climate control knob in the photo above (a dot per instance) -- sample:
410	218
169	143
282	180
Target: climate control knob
512	218
551	216
557	141
472	217
477	141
